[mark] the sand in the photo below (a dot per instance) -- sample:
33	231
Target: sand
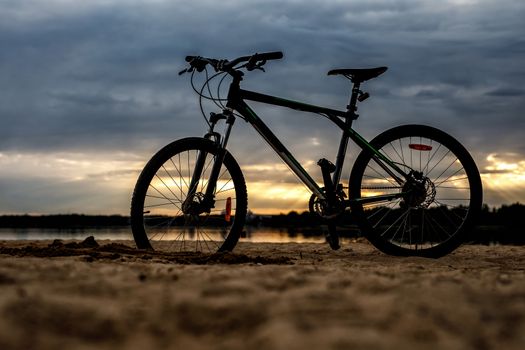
107	295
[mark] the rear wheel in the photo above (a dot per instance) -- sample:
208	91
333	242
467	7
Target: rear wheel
436	203
165	215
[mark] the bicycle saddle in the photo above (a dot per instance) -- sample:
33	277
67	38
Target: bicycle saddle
359	75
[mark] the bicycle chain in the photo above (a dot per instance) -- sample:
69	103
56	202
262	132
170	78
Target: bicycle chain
380	188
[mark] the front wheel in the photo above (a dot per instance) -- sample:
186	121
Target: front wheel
426	212
160	218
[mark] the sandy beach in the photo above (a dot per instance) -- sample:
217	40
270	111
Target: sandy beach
108	295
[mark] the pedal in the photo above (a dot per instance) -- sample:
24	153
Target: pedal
326	165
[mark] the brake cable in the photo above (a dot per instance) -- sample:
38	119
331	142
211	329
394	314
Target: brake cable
218	101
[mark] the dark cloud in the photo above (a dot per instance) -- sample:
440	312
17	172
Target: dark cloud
102	76
507	92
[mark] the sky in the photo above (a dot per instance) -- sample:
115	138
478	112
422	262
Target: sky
89	90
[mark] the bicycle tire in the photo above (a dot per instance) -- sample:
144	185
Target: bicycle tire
432	219
157	220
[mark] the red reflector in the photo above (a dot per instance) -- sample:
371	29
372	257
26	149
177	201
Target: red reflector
420	147
228	213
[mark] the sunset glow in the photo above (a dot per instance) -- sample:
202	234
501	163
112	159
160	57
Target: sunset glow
275	198
504	178
103	183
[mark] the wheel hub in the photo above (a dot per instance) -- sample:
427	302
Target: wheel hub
420	191
195	205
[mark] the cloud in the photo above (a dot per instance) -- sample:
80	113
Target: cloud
67	182
507	92
101	76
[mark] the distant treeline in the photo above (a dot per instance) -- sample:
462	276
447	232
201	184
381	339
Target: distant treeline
496	225
505	225
62	221
512	216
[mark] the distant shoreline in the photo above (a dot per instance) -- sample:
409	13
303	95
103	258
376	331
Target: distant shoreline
509	216
490	231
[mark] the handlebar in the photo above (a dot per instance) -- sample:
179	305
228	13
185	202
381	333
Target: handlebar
255	61
267	56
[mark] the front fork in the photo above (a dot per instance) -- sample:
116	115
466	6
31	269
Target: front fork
197	203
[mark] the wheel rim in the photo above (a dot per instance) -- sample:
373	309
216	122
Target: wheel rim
166	225
437	196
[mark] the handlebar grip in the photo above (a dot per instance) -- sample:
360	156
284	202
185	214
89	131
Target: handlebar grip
197	62
276	55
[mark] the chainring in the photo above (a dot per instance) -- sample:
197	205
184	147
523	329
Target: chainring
321	208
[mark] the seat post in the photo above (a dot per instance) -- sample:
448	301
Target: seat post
343	144
352	105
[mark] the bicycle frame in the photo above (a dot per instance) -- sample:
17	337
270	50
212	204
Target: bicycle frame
343	119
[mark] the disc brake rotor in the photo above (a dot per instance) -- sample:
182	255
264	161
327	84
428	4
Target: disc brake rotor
420	192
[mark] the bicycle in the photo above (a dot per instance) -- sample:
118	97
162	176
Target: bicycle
413	189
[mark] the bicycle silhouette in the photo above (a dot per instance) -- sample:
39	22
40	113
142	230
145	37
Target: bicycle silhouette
413	189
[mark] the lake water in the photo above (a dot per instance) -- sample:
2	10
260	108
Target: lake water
269	235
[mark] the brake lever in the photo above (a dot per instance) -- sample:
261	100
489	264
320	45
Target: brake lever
254	66
260	64
187	70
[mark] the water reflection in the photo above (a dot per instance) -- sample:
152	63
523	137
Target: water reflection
256	235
